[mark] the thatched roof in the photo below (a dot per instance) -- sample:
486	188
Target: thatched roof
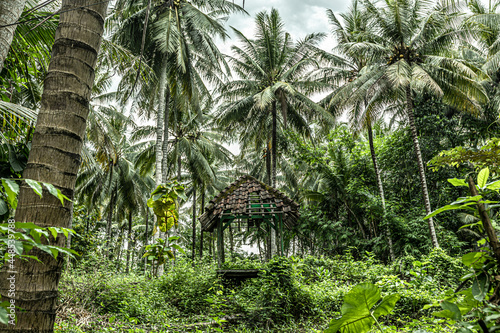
237	197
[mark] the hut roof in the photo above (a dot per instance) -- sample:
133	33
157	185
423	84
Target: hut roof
240	196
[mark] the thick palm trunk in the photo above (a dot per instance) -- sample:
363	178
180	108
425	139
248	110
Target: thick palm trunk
129	241
194	222
165	138
421	170
55	157
380	189
10	11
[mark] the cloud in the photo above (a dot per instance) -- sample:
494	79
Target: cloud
301	17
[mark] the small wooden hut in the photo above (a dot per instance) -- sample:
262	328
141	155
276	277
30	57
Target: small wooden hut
250	201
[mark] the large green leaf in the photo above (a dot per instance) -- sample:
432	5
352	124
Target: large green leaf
36	186
457	182
482	177
357	311
11	189
3	207
480	286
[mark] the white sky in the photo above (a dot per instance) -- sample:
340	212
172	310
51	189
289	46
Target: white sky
301	17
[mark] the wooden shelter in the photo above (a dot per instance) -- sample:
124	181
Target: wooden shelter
249	200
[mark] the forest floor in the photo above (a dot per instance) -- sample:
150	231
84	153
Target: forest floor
290	295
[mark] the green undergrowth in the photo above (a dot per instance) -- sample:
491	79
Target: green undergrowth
290	295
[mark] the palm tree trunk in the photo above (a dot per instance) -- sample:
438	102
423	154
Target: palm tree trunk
202	211
129	240
146	237
274	156
380	188
268	164
160	121
10	11
421	170
55	158
274	150
159	138
179	167
109	222
194	222
165	138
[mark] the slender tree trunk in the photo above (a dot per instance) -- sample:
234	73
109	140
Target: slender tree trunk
165	138
421	170
485	218
194	223
380	189
202	211
10	11
273	231
109	222
159	141
146	238
55	158
268	164
274	148
160	121
129	240
179	167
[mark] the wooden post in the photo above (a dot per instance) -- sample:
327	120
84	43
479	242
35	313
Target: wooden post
220	244
281	235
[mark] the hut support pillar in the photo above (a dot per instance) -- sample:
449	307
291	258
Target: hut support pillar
220	244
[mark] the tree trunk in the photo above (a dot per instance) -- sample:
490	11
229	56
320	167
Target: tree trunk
268	164
202	211
380	189
273	179
146	238
159	140
55	158
194	222
488	227
421	170
160	121
129	240
10	11
165	138
109	222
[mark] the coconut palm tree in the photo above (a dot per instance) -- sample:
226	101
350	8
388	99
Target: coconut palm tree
55	157
271	69
343	67
410	51
181	40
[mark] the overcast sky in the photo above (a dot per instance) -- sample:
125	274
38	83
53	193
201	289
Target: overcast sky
301	17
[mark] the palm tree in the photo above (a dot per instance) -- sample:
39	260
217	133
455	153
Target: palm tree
55	157
410	50
181	39
344	67
271	69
